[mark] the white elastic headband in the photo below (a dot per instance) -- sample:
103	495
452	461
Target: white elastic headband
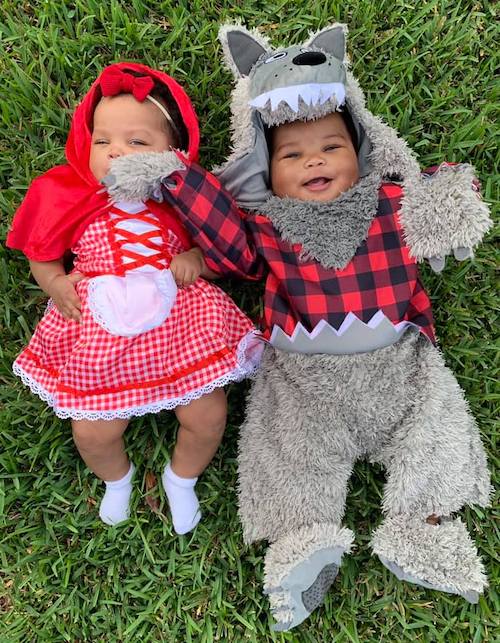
164	111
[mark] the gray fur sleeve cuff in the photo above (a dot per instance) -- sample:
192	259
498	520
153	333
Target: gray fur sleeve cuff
443	213
138	177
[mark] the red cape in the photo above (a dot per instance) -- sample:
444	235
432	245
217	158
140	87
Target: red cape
61	203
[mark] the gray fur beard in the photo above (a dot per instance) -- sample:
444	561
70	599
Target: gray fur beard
138	177
329	232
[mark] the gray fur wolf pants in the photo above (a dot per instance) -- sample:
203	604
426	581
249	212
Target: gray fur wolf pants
309	418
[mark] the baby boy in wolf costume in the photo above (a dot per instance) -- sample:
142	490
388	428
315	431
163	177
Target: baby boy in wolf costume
351	370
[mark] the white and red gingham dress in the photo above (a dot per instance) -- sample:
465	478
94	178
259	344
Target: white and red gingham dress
84	372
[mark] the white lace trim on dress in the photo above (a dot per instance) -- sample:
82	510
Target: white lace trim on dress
248	355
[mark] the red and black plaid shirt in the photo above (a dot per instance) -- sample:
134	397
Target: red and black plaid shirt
380	276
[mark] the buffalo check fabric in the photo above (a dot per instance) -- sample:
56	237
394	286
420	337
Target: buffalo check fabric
381	275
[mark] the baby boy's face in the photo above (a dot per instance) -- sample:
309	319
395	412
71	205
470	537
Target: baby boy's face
313	160
123	125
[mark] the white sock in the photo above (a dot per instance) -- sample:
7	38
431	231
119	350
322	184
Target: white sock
184	505
115	503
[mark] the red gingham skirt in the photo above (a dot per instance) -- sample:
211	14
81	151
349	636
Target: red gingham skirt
82	371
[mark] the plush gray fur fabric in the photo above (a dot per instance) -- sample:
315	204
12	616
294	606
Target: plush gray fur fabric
310	417
298	546
329	232
440	556
138	177
293	564
443	212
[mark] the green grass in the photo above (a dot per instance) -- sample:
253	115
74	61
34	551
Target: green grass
427	68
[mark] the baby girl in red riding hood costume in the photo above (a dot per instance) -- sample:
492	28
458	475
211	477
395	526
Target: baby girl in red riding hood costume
135	327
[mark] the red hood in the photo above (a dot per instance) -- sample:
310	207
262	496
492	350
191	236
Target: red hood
78	143
63	201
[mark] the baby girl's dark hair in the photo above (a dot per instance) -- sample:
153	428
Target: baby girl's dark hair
162	94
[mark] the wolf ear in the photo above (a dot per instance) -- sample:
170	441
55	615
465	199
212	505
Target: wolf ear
330	39
241	48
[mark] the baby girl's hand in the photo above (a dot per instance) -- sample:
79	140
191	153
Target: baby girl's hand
63	293
187	266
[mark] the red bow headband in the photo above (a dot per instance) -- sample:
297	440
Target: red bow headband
114	81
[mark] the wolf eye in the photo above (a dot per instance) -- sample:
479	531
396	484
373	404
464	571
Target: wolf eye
277	56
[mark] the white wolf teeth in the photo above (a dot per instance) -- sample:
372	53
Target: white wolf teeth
353	336
311	94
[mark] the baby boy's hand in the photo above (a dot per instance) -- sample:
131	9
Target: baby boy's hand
63	294
187	267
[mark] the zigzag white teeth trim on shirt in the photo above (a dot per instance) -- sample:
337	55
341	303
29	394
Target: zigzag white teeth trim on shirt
353	336
311	94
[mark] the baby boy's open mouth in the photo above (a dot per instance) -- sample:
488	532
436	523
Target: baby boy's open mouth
318	183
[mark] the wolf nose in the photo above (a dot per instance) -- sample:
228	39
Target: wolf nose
309	58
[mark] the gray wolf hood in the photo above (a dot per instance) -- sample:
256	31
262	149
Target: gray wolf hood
299	82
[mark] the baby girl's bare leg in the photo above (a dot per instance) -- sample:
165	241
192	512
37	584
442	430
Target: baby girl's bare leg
202	424
100	443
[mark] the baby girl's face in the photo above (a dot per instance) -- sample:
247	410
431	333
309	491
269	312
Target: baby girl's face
123	125
314	160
